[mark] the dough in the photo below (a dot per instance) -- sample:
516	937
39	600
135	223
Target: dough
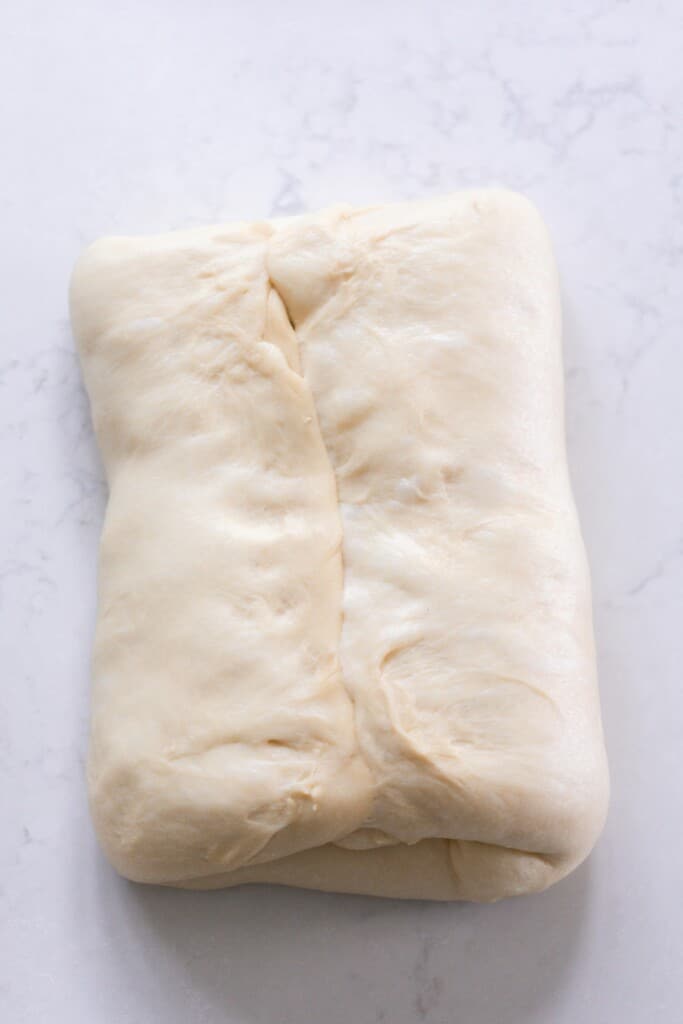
344	636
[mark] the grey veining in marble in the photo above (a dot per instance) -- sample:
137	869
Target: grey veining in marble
133	117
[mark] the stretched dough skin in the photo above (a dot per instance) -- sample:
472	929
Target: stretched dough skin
344	636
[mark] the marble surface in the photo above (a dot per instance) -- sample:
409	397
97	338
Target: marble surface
134	117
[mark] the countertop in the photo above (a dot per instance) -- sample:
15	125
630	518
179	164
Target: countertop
140	117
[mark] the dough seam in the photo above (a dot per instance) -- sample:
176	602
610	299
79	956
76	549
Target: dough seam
307	383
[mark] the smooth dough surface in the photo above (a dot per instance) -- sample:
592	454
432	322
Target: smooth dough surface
344	636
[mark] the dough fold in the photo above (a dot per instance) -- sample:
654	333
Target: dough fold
344	636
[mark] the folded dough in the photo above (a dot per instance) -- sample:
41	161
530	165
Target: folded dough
344	636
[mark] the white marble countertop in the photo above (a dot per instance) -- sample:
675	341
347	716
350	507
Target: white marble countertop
132	117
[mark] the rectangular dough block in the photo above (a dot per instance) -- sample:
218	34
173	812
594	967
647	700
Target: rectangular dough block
344	636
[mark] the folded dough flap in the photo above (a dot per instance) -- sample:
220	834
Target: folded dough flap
344	635
435	366
221	730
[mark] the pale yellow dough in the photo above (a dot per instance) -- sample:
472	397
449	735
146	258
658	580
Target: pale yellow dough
344	637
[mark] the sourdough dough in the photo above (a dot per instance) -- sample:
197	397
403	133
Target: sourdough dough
344	636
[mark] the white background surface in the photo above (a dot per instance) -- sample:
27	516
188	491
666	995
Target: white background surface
139	117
